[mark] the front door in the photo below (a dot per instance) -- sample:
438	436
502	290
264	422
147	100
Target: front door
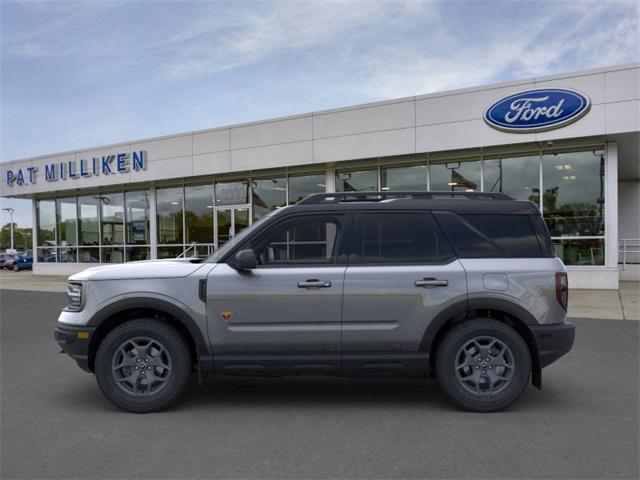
229	222
284	315
401	274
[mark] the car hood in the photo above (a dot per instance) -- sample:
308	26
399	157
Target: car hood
135	270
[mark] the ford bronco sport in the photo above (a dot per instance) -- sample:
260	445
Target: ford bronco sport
461	286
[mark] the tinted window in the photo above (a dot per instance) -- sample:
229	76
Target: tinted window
514	234
310	240
467	241
401	238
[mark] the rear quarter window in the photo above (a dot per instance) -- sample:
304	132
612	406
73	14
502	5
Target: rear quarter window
490	236
513	234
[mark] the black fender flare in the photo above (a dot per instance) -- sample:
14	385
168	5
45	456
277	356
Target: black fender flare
205	358
460	310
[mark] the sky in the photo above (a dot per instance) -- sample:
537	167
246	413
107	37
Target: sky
86	73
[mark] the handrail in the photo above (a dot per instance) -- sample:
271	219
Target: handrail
627	246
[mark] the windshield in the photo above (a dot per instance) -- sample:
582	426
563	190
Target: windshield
239	238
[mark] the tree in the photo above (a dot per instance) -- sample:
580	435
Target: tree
21	237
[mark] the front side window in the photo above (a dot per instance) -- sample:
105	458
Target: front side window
309	241
400	238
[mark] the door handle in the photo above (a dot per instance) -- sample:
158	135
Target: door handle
313	283
431	282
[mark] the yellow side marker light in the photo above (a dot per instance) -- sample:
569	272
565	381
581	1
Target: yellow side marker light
83	335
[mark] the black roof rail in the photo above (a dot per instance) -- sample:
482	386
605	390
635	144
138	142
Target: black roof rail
336	197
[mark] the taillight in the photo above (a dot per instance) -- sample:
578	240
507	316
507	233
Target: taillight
562	289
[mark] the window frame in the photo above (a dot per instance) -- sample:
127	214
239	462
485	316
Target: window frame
263	236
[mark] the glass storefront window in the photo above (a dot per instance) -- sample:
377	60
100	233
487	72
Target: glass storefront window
169	252
137	218
134	254
88	220
169	207
46	218
268	194
357	181
580	251
112	255
47	254
112	217
412	177
573	199
518	177
301	186
89	255
232	193
456	176
198	213
67	221
67	255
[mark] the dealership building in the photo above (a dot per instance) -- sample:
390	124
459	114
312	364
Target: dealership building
569	142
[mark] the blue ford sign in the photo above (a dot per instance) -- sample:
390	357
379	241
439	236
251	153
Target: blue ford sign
537	110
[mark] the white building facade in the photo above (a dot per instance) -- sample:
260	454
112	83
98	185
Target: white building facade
570	143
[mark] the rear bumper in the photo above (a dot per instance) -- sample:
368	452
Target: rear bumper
74	341
553	341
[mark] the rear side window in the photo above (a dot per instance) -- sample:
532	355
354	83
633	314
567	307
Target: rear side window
544	238
486	236
467	241
399	238
514	234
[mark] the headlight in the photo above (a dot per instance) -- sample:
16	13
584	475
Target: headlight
74	297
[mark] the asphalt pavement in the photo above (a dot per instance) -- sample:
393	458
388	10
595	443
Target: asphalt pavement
56	424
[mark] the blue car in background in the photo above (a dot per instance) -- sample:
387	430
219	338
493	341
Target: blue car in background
23	262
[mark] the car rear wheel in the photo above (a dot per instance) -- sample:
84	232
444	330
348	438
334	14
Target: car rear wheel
143	366
483	365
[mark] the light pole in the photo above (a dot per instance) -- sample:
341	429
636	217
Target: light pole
11	212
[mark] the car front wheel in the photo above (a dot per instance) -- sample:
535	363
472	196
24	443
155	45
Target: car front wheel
143	366
483	365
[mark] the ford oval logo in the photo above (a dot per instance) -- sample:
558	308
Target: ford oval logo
537	110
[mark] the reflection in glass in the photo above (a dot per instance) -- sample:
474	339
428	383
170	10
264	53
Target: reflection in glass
88	220
47	254
169	206
112	255
518	177
404	178
67	222
573	200
240	220
198	213
301	186
357	181
89	255
46	218
67	254
455	176
112	205
267	195
580	251
137	217
232	193
169	252
224	216
134	254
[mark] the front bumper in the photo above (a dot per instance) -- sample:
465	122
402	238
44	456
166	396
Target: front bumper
74	341
553	341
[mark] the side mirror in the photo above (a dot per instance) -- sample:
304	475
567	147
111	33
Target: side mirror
245	260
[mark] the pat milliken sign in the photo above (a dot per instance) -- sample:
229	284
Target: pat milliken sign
117	163
537	110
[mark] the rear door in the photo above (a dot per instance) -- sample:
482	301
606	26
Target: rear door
401	274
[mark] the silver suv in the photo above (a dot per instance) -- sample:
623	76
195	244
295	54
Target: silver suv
461	286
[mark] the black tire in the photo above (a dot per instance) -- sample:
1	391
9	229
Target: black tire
171	386
16	268
450	370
